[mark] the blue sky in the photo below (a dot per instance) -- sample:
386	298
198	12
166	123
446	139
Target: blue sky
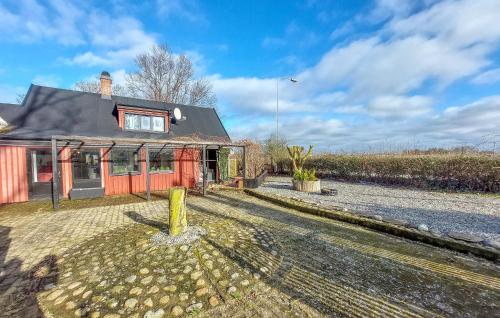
372	75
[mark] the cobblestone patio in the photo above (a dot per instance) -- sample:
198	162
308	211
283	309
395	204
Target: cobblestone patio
257	260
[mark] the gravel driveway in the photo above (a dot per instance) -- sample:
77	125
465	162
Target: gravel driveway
443	212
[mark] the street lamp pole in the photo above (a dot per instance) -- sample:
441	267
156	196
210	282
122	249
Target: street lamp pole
278	101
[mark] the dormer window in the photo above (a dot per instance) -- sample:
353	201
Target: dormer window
144	122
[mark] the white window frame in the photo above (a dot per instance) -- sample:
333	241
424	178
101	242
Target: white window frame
139	118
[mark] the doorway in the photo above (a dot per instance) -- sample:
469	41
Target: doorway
211	165
86	169
39	173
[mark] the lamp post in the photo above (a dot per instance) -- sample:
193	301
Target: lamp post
293	80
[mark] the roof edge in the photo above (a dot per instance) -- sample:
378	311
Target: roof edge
220	121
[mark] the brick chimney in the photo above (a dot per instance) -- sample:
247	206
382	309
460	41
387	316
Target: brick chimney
105	85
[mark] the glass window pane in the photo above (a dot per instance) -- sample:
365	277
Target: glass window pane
145	123
161	161
124	161
158	123
132	121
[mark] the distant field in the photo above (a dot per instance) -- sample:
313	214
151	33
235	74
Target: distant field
459	172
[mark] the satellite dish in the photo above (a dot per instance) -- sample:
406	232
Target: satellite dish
177	113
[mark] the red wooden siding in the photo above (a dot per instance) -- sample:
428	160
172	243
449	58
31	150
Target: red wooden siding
13	174
186	171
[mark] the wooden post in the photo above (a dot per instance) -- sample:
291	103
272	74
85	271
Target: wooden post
244	163
55	176
204	164
177	220
148	181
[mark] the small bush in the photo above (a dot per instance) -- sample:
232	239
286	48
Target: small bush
305	175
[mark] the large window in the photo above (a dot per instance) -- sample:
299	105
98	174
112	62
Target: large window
124	161
161	161
144	122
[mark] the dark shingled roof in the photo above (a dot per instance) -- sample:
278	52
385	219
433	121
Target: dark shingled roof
50	111
10	111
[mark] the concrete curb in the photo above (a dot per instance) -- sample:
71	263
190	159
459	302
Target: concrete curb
397	230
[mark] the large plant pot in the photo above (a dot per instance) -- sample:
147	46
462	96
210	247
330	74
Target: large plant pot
256	182
307	186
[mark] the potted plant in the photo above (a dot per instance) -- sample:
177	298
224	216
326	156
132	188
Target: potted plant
303	180
306	181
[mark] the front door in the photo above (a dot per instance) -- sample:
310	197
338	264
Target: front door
40	173
86	169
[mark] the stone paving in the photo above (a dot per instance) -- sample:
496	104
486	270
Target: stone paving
257	260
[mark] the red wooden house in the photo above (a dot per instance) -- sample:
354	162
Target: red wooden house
101	144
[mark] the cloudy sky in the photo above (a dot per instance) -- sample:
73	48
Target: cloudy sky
372	75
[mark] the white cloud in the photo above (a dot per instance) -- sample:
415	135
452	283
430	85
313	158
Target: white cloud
115	46
469	124
398	61
186	9
487	77
458	23
31	21
391	106
88	59
377	84
371	67
472	120
119	77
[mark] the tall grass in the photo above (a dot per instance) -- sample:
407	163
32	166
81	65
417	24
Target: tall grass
469	172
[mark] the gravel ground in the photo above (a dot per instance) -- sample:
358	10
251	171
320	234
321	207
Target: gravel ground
473	214
191	234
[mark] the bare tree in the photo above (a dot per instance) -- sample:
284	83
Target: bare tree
20	98
94	86
166	77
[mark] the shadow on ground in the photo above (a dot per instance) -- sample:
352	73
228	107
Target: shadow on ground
136	217
18	288
346	270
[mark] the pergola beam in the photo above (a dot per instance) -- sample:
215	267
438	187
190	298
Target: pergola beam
130	141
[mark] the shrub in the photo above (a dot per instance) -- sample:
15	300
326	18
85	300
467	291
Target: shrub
255	158
471	172
305	175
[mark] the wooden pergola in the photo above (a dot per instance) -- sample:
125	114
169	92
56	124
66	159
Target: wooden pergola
111	142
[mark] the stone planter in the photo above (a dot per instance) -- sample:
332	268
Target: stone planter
256	182
307	186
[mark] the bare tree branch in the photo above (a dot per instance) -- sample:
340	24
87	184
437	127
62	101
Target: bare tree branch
94	86
165	77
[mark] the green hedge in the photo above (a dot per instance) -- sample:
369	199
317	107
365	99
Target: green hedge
450	171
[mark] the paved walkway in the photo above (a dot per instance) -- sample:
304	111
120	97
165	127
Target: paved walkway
271	261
